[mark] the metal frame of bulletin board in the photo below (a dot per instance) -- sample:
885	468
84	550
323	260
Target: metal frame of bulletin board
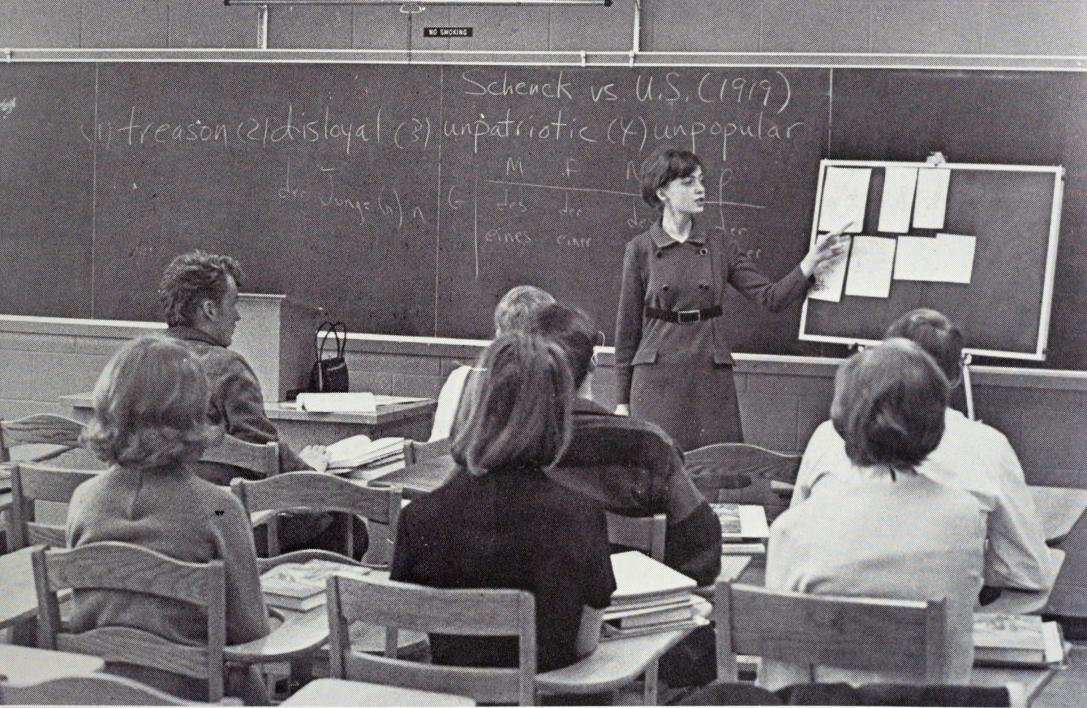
851	324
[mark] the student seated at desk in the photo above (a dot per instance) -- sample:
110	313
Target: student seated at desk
883	530
512	311
150	423
693	538
972	456
501	522
199	293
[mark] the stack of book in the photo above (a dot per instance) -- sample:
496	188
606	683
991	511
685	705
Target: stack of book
353	402
649	597
301	586
744	529
5	476
1016	640
360	451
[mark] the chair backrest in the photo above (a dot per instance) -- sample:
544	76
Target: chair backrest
262	458
823	630
42	429
118	566
32	482
642	533
395	605
319	492
90	690
740	472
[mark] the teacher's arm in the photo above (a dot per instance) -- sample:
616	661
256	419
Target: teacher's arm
776	296
628	324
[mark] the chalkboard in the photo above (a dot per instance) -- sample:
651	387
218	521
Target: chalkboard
407	199
1004	308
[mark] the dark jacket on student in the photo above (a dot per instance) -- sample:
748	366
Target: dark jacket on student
236	403
510	528
630	476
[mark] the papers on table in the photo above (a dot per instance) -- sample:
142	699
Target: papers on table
896	205
845	196
948	258
355	402
870	267
931	200
830	276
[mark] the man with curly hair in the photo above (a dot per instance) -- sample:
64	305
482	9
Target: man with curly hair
199	294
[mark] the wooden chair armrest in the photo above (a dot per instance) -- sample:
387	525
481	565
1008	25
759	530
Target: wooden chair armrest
298	636
613	665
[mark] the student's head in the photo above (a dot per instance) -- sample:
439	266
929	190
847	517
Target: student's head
151	406
573	331
516	306
518	414
200	290
664	166
889	405
936	335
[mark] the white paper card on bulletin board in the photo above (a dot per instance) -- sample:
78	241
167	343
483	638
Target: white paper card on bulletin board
896	204
948	258
930	204
830	275
845	196
870	267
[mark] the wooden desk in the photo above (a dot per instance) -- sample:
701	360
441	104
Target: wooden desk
26	665
1058	508
299	428
419	479
1033	681
337	692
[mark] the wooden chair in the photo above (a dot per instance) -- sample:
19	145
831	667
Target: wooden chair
823	630
92	690
262	458
743	473
481	612
316	491
130	568
394	605
32	482
642	533
42	429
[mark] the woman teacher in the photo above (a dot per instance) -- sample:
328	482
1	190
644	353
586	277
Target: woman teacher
673	364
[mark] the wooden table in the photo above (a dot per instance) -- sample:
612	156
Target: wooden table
300	428
337	692
26	665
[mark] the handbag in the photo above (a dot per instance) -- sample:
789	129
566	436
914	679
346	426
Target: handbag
330	375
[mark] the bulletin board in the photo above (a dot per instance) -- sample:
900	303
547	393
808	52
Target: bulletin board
1013	213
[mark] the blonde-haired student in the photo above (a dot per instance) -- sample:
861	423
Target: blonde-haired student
150	422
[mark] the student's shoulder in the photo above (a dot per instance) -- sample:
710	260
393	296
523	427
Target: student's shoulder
210	496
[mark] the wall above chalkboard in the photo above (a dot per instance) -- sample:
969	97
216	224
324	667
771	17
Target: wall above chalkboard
407	199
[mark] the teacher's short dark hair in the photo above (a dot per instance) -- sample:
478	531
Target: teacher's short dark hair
936	334
192	278
889	404
661	167
572	330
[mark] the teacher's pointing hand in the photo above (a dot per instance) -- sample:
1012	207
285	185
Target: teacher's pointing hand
825	249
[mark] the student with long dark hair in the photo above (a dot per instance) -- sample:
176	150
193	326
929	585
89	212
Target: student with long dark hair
500	522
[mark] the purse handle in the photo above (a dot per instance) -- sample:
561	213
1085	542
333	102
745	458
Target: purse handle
332	329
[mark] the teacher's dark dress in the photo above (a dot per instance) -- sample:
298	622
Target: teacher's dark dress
679	375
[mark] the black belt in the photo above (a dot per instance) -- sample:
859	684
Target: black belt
683	316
